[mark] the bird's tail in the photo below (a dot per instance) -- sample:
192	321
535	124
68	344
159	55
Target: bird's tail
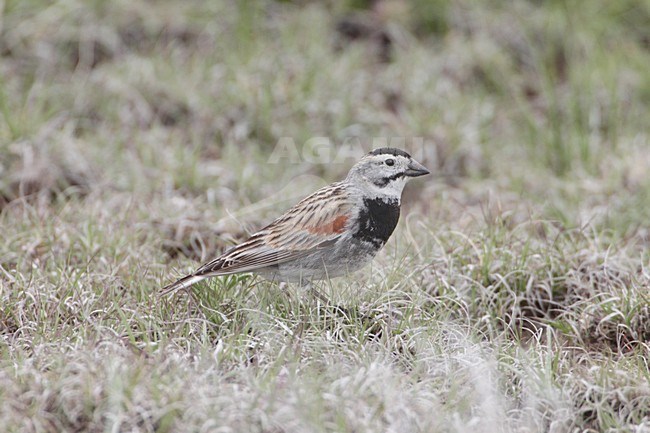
183	283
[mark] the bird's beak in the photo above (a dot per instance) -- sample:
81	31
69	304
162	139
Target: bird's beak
416	169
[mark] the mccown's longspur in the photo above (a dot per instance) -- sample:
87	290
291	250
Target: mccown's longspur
336	230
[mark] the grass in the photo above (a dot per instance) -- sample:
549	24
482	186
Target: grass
138	138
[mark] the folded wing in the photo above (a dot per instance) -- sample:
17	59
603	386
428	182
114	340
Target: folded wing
315	222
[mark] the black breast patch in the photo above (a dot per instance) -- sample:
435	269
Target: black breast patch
377	221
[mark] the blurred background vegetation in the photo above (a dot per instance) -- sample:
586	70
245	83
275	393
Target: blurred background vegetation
498	89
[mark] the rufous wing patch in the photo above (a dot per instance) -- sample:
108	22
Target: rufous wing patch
339	223
335	226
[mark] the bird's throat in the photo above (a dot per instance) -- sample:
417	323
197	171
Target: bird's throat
377	220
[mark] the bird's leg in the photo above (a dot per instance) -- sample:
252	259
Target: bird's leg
327	304
309	286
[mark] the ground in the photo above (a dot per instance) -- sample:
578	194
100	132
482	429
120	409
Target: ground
138	138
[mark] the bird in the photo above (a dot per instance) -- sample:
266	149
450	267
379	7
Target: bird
333	232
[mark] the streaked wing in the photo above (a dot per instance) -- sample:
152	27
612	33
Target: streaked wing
315	222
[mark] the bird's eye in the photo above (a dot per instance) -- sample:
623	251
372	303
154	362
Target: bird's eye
389	161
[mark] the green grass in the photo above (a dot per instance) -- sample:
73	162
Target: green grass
136	139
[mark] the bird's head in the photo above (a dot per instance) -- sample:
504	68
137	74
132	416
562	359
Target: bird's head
385	171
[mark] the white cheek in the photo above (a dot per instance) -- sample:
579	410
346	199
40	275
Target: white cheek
397	186
392	190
